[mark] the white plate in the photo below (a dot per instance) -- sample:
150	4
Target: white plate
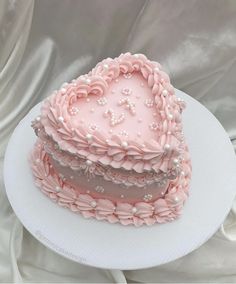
113	246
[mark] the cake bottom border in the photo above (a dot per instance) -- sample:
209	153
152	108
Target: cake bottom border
162	210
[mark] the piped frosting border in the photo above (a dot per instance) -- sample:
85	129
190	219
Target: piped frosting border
164	209
154	155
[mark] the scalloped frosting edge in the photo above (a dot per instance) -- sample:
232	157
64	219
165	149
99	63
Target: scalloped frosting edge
162	210
154	154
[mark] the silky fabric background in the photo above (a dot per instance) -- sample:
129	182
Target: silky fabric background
44	43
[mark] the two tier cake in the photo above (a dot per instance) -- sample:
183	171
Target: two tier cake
111	146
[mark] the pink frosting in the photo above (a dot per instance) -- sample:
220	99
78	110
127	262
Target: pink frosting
106	149
161	210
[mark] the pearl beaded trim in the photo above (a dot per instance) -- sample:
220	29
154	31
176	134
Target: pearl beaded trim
128	105
114	119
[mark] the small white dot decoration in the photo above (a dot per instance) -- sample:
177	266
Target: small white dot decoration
153	126
124	144
37	160
122	196
167	147
88	81
134	210
102	101
156	69
114	120
126	91
175	161
89	136
93	203
71	177
88	162
147	197
182	173
93	127
63	90
149	103
105	66
128	104
38	118
124	133
164	93
176	199
127	75
170	116
61	119
73	110
57	188
99	188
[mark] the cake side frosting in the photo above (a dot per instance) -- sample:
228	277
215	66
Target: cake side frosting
162	210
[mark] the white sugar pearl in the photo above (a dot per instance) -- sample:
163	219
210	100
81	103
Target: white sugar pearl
88	163
57	188
182	173
105	66
164	93
61	119
63	90
176	199
88	81
170	116
136	55
134	210
38	118
167	147
175	161
89	136
124	144
122	196
156	69
93	203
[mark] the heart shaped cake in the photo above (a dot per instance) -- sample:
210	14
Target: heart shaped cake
111	145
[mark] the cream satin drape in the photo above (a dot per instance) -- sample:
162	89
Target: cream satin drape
46	42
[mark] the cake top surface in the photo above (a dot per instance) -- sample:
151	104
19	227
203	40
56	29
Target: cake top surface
123	113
